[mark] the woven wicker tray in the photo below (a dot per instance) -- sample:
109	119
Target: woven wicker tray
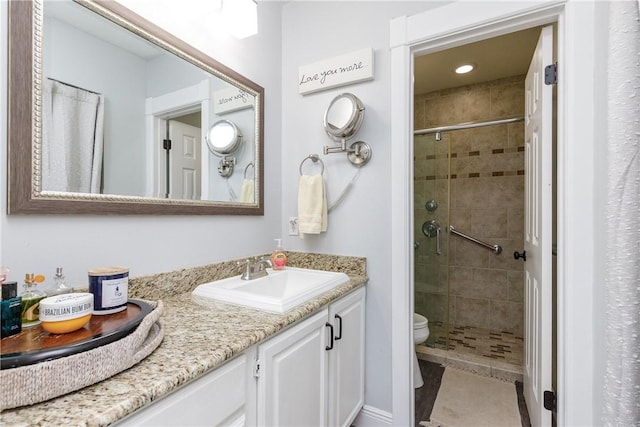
33	383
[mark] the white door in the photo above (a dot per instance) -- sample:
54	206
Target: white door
346	359
185	161
538	229
292	387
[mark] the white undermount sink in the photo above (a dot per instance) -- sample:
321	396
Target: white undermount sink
277	292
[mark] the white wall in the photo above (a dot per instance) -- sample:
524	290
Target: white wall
151	244
360	226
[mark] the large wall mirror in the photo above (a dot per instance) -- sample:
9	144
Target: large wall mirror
108	114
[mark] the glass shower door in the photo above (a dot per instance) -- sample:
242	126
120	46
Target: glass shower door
431	216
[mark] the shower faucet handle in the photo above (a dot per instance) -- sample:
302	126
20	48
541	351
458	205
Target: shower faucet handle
432	229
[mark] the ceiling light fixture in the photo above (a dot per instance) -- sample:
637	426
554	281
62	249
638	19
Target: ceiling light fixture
463	69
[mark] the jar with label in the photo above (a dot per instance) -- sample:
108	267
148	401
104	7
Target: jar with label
109	286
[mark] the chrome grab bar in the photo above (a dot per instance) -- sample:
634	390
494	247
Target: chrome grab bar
496	249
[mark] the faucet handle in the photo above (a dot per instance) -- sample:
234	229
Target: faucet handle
264	263
246	273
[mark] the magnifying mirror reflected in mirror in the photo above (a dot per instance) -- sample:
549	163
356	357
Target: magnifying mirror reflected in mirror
224	138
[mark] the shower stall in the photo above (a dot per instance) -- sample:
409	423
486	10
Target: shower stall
469	217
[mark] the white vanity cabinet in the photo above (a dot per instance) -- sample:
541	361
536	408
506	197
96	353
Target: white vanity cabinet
313	373
346	359
222	397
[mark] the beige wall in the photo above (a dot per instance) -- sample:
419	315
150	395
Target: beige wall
486	198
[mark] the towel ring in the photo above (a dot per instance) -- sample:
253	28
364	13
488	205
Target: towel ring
314	158
247	168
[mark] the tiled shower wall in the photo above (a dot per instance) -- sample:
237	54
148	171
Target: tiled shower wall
486	201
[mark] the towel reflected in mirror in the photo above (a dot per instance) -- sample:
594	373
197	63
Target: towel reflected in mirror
247	191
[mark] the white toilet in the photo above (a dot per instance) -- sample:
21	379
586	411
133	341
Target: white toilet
420	335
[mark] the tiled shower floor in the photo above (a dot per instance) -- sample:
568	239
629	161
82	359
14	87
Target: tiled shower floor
492	351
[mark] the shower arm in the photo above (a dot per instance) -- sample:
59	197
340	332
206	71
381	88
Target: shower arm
496	249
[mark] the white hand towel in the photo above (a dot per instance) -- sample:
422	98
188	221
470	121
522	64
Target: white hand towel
247	190
312	205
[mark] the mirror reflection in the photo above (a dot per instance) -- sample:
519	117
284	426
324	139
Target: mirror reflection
111	101
118	122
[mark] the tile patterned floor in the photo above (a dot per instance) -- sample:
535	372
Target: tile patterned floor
496	345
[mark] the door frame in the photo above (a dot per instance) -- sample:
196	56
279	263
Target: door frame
161	108
460	23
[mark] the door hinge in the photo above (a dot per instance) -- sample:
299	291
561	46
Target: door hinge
549	400
166	144
551	74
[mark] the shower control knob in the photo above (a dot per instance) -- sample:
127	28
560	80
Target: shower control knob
518	255
431	205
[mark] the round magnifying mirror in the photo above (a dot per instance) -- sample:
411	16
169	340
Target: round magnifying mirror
344	117
223	138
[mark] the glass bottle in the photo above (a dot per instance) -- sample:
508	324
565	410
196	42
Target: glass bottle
60	286
10	306
31	300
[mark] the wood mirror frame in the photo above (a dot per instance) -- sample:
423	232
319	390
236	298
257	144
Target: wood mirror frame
25	133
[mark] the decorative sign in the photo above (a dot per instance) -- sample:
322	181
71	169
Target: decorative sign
231	99
341	70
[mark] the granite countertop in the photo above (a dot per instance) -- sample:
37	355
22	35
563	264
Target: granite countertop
200	335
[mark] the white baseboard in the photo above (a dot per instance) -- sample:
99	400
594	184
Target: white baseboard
373	417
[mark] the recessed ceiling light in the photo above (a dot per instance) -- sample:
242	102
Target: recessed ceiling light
463	69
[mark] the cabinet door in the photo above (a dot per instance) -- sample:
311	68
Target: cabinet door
292	387
216	399
346	360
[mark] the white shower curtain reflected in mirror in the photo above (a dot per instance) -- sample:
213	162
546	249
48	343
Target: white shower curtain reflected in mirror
72	138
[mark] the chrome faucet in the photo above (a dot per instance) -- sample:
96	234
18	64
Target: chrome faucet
255	268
